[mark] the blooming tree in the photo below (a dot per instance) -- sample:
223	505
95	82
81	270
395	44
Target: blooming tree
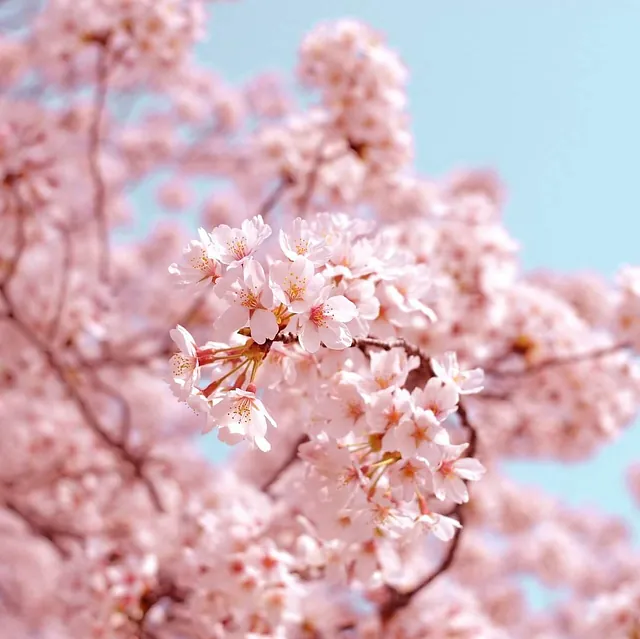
362	336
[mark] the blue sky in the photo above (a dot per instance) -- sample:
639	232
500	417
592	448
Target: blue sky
544	91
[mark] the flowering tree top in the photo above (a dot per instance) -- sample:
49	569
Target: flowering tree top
364	338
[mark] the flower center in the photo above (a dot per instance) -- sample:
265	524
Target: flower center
302	247
319	316
354	410
241	411
295	288
238	247
181	364
249	299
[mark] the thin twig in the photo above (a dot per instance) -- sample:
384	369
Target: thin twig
38	529
125	409
99	198
64	284
312	180
82	405
396	600
286	463
20	246
274	197
561	361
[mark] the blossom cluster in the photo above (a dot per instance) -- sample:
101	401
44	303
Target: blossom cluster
362	88
145	36
377	451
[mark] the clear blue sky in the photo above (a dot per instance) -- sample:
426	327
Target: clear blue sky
545	91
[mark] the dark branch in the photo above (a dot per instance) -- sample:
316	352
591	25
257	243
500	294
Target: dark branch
81	403
560	361
397	601
64	284
274	197
41	529
286	463
100	193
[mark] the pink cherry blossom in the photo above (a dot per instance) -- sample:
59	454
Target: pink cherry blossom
448	370
438	396
184	365
303	241
251	302
241	413
325	322
443	527
295	284
202	262
420	434
449	476
238	245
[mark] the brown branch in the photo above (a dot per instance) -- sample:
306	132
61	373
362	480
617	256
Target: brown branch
417	377
365	342
82	405
396	600
167	589
286	463
40	529
64	284
274	197
110	391
561	361
100	193
20	246
312	180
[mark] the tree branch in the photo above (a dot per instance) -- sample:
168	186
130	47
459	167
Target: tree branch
397	601
82	405
274	197
561	361
39	529
20	246
99	198
64	284
286	463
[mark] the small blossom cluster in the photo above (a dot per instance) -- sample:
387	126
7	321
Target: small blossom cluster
146	35
356	141
379	456
362	87
29	172
289	298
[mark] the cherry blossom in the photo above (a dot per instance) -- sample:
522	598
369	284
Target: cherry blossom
242	413
302	241
296	284
185	365
202	262
325	322
450	473
251	303
448	370
237	245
